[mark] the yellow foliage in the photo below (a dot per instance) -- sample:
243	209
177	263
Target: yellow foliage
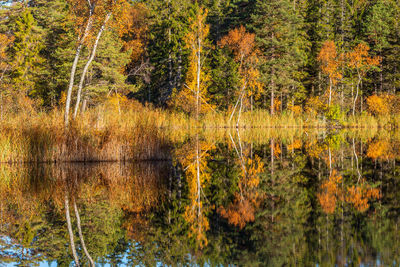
193	157
193	97
315	105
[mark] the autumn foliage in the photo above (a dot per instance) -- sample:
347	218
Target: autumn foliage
383	105
357	195
242	210
330	61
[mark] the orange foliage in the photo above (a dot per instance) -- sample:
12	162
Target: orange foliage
357	195
243	46
382	105
238	213
330	61
328	197
359	59
296	109
295	145
137	32
83	15
277	150
380	149
5	42
241	42
242	210
277	105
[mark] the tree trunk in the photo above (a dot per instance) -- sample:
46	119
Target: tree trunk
170	82
272	111
70	232
272	156
78	223
1	106
84	104
88	63
198	79
198	179
355	98
73	70
330	92
240	112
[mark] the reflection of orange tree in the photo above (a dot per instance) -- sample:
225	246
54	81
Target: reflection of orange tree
330	192
194	162
242	209
358	195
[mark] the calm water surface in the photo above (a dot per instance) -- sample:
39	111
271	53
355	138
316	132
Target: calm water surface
321	199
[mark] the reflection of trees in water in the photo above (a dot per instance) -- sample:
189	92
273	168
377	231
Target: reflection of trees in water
33	200
246	200
264	205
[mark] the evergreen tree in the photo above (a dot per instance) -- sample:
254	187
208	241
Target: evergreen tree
224	79
281	39
106	76
26	58
58	41
169	25
380	31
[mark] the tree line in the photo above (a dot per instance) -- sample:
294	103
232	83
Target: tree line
324	57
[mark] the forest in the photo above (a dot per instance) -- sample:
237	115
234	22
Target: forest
199	132
121	79
325	60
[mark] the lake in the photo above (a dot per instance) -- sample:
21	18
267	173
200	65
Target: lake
236	198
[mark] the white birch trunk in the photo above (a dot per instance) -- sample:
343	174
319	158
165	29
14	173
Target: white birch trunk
88	63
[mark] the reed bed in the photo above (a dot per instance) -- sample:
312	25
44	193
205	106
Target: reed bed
129	131
94	137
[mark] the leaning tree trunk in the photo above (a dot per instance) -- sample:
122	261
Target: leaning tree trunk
88	63
78	223
240	112
355	98
73	71
70	232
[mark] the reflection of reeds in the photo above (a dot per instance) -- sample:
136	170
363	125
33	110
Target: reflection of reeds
26	189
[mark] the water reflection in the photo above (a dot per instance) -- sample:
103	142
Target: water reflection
303	199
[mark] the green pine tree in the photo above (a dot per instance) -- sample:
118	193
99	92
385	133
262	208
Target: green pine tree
280	35
26	54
